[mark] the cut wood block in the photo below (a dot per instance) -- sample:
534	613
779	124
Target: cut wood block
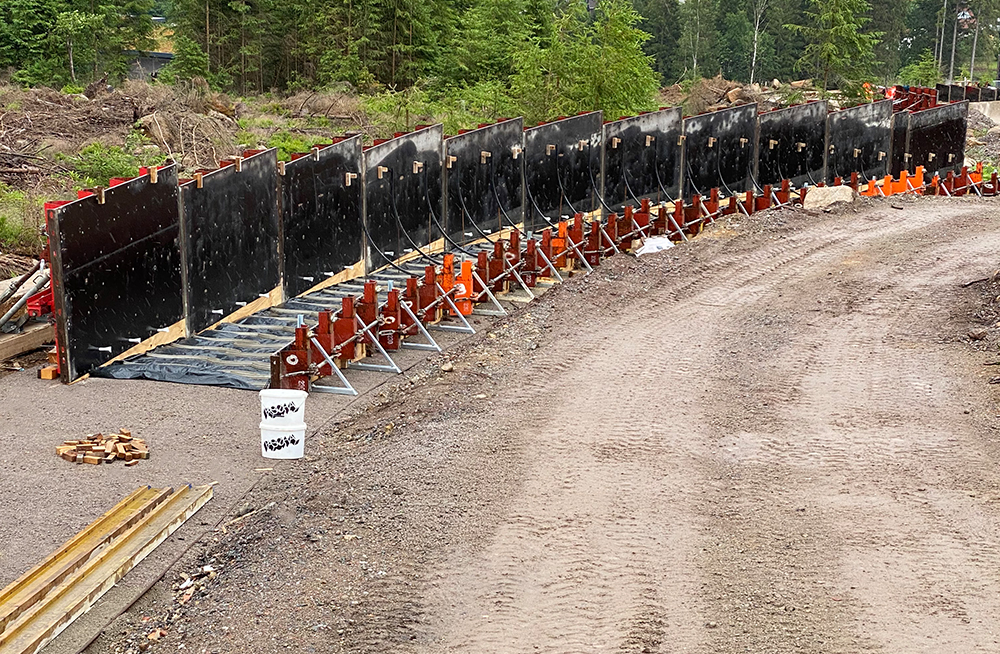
71	442
69	456
48	372
62	449
79	457
129	464
53	355
120	449
128	456
125	432
142	454
92	459
109	448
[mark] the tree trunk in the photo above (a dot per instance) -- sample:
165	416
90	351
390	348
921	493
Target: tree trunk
208	47
975	43
72	69
944	23
954	41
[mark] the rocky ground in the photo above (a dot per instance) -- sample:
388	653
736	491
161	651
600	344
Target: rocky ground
781	437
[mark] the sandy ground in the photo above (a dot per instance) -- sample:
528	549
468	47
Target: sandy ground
196	435
777	438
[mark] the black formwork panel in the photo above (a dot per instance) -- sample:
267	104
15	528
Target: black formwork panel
482	177
936	138
972	93
642	158
897	157
943	92
231	237
987	94
858	140
719	150
116	270
402	195
321	213
791	144
562	168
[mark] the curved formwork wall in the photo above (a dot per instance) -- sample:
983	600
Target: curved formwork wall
116	269
321	214
403	195
562	168
482	180
719	151
858	141
642	159
790	145
230	224
159	256
935	138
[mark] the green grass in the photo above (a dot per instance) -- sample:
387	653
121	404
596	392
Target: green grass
290	142
20	222
96	163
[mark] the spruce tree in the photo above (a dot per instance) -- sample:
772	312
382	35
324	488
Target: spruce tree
837	49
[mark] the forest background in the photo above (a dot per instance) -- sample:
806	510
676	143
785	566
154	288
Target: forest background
288	73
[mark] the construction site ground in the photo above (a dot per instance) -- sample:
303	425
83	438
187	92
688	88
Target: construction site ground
779	437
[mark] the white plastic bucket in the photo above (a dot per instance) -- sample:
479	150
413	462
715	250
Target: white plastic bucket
282	441
282	407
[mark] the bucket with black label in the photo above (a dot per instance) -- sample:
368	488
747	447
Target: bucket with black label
282	441
279	406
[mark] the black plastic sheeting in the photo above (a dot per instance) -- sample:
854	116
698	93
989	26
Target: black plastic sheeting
935	138
403	195
562	167
482	176
231	238
791	145
719	150
232	355
858	140
642	158
897	156
321	214
116	270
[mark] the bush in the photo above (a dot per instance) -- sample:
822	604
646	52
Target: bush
289	143
20	222
96	163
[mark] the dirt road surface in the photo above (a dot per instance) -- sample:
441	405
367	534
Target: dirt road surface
776	438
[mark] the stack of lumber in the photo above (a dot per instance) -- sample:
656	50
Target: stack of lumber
63	586
99	448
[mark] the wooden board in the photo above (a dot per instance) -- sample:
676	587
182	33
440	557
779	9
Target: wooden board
34	337
39	623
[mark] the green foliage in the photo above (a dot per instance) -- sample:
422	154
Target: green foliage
922	72
20	221
96	163
53	42
189	61
289	143
837	49
735	47
661	19
583	66
699	36
70	89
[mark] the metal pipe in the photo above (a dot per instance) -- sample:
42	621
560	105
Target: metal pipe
42	281
20	282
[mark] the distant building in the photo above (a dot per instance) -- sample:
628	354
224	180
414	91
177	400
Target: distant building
147	65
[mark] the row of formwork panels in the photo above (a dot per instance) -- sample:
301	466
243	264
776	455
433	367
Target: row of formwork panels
157	257
964	93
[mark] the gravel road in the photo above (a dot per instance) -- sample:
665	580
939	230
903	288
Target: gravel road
776	438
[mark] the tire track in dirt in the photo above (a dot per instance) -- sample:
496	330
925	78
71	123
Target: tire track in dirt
612	529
